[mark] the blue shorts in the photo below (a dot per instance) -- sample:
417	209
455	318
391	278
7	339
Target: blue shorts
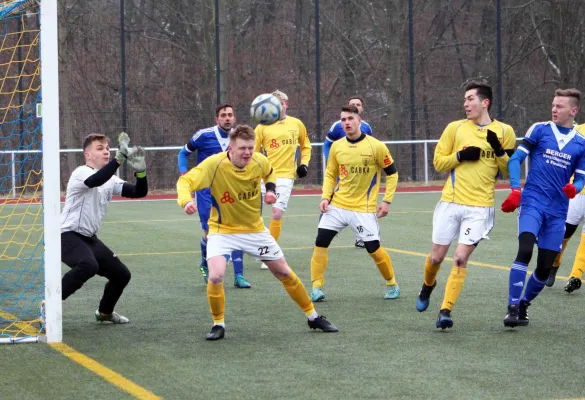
203	198
548	229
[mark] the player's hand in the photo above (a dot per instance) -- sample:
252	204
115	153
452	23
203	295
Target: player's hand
136	158
190	207
302	170
123	142
570	190
270	198
324	205
512	201
470	153
383	209
493	140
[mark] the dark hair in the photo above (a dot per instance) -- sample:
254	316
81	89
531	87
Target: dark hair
221	107
483	90
571	93
244	132
94	137
357	98
350	108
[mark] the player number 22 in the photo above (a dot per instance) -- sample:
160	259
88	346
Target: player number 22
263	250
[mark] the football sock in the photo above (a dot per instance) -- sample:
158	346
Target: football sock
558	261
296	290
216	299
431	271
533	288
203	245
238	261
384	264
275	227
454	286
579	263
318	266
516	282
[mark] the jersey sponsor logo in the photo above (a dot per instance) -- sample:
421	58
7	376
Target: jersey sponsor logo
387	160
285	142
226	198
359	170
343	170
247	195
274	144
557	158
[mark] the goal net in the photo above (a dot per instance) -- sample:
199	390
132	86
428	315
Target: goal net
22	179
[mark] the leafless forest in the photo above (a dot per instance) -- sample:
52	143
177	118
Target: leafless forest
269	44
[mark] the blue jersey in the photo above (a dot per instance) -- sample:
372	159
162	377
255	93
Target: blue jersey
556	153
336	132
207	142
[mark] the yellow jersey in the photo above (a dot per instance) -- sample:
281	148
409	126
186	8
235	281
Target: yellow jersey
235	192
472	183
280	141
358	165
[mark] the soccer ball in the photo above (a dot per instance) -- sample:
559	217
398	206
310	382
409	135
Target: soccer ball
265	109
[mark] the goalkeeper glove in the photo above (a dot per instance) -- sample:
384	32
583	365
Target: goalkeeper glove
136	159
470	153
512	201
570	190
123	141
493	140
302	170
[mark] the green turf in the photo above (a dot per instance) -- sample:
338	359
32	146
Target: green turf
385	349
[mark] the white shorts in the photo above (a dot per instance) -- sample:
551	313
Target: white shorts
283	190
260	245
470	223
364	225
576	212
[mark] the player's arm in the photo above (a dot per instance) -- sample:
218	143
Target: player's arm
503	150
305	144
445	158
331	175
386	163
514	168
186	151
138	162
196	179
269	179
331	137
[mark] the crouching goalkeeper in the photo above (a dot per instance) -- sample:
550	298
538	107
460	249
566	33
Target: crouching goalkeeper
89	191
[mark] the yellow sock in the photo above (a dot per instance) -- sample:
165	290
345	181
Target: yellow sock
216	299
454	286
579	264
431	271
296	290
319	265
384	264
275	228
559	260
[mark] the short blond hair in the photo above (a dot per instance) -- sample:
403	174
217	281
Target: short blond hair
572	93
280	95
243	132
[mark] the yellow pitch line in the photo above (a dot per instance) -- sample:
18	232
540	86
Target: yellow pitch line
392	250
112	377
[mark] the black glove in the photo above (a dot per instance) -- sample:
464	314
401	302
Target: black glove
471	153
492	139
302	170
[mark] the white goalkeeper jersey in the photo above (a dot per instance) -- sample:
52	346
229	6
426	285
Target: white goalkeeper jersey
85	207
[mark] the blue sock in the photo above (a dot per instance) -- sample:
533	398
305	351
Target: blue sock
533	287
203	244
516	282
238	261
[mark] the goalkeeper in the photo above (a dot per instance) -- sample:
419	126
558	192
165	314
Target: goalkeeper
89	191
